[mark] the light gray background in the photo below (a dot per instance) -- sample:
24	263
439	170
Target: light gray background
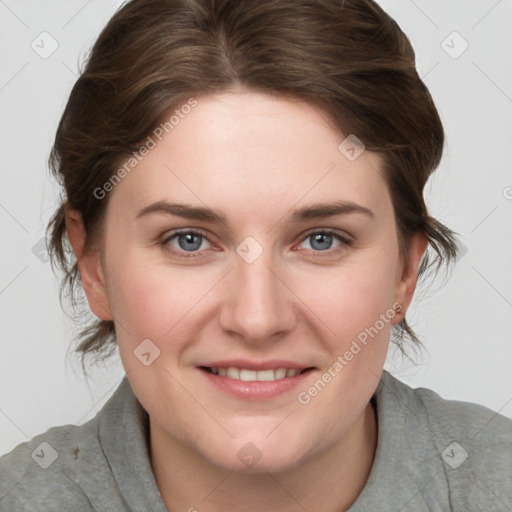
465	325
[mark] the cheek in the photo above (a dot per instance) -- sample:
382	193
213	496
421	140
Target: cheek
156	300
139	294
352	296
151	300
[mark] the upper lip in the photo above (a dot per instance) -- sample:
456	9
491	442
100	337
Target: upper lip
257	365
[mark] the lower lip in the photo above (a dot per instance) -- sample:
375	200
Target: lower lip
255	390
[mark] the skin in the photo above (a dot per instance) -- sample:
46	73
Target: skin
255	158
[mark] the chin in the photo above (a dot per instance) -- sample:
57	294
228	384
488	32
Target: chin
252	457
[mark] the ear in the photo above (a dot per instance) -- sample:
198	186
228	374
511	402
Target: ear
90	266
408	272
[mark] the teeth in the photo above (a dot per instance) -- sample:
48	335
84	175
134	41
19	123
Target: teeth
253	375
233	373
262	375
280	373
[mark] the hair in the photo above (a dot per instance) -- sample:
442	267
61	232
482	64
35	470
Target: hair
347	57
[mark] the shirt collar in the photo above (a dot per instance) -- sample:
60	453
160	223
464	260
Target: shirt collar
406	474
123	430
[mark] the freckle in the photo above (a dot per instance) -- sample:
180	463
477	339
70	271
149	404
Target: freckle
77	452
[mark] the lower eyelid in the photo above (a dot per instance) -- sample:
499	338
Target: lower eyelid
344	241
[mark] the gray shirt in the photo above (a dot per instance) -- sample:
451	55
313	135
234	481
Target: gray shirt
432	455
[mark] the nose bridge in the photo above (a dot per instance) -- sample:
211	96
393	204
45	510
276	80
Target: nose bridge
259	303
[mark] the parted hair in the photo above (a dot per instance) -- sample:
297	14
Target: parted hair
347	57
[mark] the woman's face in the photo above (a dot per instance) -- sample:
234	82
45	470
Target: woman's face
273	285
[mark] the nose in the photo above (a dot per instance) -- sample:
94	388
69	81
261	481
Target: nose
259	305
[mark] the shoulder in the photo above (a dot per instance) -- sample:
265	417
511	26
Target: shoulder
35	475
80	468
70	467
471	443
467	419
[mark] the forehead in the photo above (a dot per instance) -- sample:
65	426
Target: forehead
247	151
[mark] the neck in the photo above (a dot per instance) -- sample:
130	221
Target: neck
329	481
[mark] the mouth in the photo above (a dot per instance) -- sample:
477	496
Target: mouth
250	375
248	379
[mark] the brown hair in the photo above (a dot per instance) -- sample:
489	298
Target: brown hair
347	57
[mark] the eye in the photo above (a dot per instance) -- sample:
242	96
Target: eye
192	241
187	241
321	241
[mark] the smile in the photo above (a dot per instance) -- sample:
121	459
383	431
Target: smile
248	375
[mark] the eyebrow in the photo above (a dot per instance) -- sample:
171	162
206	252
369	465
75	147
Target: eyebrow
315	211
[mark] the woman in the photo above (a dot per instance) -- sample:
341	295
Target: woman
244	203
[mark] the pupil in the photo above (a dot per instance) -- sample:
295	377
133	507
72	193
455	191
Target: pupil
189	244
321	238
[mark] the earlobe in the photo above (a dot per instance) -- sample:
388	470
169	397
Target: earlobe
90	266
409	274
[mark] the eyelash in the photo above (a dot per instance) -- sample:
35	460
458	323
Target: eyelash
345	242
